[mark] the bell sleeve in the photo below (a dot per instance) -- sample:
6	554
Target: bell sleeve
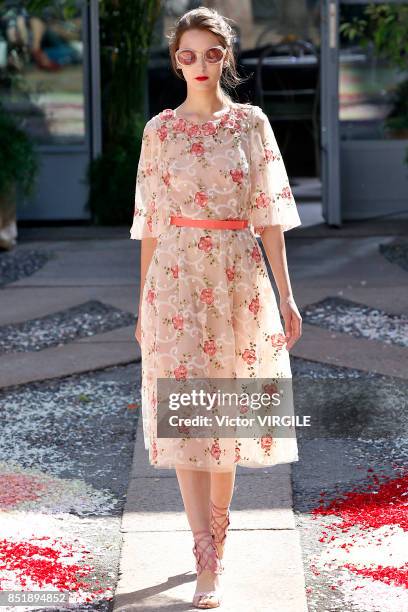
148	212
272	201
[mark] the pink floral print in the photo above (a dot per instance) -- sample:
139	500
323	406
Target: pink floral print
208	309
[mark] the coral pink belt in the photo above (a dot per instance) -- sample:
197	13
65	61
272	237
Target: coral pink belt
209	223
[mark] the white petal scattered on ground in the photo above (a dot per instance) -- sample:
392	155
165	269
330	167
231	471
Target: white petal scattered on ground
26	489
366	595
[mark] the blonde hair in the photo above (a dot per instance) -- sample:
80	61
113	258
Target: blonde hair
203	18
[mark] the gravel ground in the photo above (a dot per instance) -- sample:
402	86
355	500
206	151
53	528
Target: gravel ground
396	252
21	263
92	317
65	454
358	320
348	404
374	537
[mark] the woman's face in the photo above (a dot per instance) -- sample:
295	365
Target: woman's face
200	41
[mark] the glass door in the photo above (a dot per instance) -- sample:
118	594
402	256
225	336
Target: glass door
364	109
49	81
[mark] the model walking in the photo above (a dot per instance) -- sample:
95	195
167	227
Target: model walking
210	178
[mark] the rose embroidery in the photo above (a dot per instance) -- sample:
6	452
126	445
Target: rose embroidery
249	356
207	296
205	244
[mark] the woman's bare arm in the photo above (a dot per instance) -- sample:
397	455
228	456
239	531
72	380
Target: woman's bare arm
146	253
147	249
273	241
274	244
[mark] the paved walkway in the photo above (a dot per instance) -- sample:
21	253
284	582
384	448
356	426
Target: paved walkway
265	569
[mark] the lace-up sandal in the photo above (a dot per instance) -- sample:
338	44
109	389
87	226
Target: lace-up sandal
220	521
207	557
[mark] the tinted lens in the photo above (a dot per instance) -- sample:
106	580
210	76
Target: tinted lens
186	57
213	55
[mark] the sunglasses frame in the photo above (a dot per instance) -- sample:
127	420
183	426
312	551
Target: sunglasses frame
197	53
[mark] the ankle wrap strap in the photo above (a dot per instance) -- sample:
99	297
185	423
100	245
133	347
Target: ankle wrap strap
206	553
220	521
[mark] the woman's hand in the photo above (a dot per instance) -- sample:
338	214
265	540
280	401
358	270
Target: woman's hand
138	330
292	319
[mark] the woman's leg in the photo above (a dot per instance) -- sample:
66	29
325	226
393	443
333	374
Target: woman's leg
222	489
198	487
195	488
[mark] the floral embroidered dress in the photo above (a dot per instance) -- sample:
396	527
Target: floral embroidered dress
208	308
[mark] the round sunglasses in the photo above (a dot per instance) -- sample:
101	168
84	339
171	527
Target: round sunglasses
213	55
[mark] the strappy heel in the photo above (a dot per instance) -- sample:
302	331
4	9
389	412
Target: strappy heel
207	557
220	521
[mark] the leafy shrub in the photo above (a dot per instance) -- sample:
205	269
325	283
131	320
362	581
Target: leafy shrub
19	162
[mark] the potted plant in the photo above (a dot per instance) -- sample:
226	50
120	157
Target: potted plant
18	170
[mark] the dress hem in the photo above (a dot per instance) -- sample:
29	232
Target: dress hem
212	469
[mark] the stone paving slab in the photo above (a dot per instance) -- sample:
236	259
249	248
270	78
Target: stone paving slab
343	350
28	234
342	262
371	296
355	229
87	354
23	303
122	334
259	502
79	263
263	572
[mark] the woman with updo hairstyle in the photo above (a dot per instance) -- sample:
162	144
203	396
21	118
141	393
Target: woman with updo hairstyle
210	181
